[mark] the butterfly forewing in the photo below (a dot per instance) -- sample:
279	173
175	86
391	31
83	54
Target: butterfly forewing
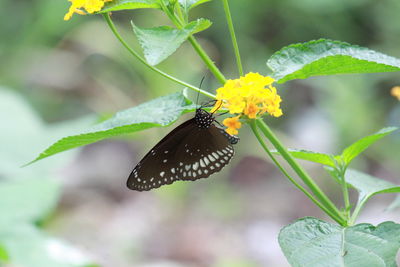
189	152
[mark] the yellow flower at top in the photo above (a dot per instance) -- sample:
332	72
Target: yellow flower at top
396	92
90	6
251	95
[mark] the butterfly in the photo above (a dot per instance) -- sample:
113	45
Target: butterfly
195	149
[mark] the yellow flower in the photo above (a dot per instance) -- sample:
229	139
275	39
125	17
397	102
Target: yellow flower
251	110
90	6
251	95
233	124
396	92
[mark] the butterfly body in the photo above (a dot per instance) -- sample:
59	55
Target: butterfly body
193	150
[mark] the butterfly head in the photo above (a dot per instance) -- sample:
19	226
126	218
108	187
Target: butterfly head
203	118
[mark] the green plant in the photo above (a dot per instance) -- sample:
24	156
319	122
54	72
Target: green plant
342	244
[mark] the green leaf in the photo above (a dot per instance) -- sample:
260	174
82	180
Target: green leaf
27	200
358	147
159	112
327	57
199	25
368	186
116	5
160	42
28	246
395	204
321	158
189	4
347	155
311	242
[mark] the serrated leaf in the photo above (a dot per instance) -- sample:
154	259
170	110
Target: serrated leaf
347	155
160	42
189	4
368	186
200	25
28	246
358	147
159	112
312	242
27	200
116	5
327	57
321	158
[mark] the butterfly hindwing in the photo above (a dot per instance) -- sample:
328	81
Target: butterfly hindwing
205	152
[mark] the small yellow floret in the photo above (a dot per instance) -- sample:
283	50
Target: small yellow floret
90	6
396	92
233	124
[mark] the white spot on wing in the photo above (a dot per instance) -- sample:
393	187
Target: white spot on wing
211	157
195	166
202	164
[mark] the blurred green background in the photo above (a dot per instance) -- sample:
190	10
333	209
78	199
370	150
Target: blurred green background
73	209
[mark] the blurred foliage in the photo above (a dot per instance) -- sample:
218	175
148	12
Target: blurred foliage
68	70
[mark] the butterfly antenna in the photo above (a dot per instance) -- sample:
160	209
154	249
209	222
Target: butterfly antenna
198	92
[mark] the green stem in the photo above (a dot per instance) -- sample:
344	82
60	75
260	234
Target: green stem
345	191
137	56
181	15
203	55
356	212
302	189
210	64
300	171
233	36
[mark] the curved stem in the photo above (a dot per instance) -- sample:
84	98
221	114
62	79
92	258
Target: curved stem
207	60
137	56
302	189
233	36
300	171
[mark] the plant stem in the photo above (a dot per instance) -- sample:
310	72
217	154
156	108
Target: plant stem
233	36
181	15
210	64
356	211
203	55
300	171
302	189
137	56
345	191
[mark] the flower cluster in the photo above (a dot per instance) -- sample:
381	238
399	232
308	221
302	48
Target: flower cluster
250	96
396	92
90	6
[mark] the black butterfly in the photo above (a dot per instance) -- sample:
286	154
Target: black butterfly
193	150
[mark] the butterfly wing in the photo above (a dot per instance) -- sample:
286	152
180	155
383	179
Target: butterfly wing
205	151
187	153
148	173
